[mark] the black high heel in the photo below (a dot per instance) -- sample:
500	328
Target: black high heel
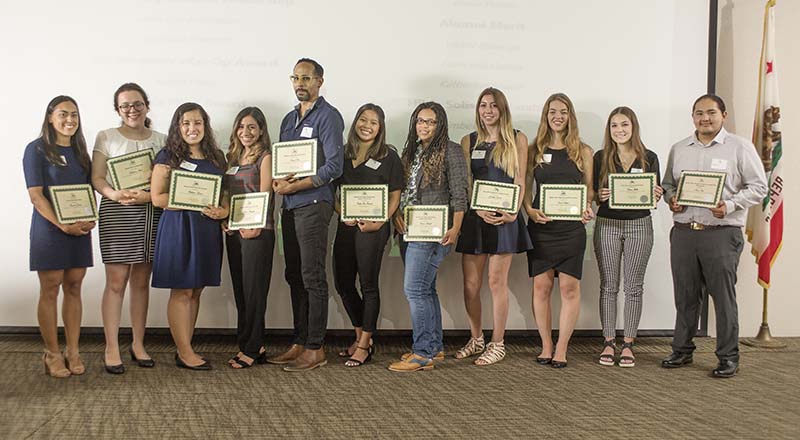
142	363
205	366
114	369
544	360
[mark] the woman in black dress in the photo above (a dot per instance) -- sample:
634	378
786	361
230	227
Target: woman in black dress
557	156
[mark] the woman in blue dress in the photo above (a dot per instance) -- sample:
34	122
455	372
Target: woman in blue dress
188	252
59	253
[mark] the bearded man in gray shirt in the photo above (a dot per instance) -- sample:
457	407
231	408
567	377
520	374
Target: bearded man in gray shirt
706	243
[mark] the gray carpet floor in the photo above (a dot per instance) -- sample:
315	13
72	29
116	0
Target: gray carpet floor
515	398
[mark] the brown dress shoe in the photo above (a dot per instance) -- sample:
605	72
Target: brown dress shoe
291	354
309	360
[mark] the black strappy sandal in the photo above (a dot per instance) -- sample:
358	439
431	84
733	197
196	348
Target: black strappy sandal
627	361
357	363
608	360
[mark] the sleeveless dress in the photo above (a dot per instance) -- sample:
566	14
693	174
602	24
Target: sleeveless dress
52	249
559	244
188	252
479	237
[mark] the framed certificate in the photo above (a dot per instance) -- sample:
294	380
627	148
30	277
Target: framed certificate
632	191
73	203
364	202
563	202
294	157
193	191
132	170
248	211
700	188
425	222
495	196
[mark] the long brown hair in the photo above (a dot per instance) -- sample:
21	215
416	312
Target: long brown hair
178	149
378	149
610	148
76	141
504	154
434	155
263	143
544	136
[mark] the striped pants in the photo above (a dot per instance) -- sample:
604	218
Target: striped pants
613	241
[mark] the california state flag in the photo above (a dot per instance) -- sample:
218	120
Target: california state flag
765	221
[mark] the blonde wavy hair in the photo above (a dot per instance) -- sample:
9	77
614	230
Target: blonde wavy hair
504	154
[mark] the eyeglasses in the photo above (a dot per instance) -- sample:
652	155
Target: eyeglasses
426	122
126	106
301	79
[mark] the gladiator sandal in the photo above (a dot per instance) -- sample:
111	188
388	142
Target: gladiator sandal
474	346
495	352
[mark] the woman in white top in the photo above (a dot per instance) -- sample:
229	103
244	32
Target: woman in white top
127	225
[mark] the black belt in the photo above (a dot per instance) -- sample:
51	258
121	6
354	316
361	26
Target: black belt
694	226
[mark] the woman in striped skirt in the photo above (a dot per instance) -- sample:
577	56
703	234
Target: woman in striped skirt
127	225
622	235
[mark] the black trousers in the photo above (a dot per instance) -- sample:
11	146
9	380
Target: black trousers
250	262
357	253
706	260
305	244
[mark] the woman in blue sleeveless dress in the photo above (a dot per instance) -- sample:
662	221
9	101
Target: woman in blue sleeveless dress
188	252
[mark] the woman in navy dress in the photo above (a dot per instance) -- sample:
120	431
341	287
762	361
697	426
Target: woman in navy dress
557	156
188	252
498	153
59	253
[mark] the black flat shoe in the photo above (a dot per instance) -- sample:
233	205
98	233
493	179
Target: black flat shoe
558	364
543	360
114	369
143	363
725	369
205	366
677	360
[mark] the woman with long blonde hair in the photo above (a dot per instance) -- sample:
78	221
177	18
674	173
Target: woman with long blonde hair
495	152
557	156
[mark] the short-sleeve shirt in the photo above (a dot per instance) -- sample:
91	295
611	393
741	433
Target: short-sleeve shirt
386	171
111	143
637	167
41	172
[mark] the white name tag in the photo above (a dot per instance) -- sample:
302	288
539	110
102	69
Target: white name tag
63	160
374	164
719	164
232	171
478	154
188	166
636	170
547	157
307	132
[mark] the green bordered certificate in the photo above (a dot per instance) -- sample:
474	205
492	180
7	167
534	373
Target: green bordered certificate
248	211
132	170
700	188
364	202
294	157
193	191
632	191
495	196
563	202
425	222
73	203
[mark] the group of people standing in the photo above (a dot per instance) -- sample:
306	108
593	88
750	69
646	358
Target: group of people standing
183	249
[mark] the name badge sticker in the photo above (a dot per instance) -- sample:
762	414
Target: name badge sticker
307	132
719	164
232	171
547	157
636	171
63	160
372	163
479	154
188	166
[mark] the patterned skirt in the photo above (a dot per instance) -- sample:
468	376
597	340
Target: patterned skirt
127	233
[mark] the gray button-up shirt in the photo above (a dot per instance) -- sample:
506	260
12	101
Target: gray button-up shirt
745	184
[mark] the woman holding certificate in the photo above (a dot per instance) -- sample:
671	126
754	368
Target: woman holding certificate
370	185
560	166
624	228
250	246
494	232
121	168
61	247
186	181
433	201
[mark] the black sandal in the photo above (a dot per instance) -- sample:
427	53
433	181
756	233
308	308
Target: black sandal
346	352
608	360
627	361
357	363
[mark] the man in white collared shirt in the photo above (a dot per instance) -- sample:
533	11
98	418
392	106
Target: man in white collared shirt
706	243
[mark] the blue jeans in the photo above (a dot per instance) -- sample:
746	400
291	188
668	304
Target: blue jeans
422	260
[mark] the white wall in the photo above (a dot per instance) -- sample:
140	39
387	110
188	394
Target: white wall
228	54
739	49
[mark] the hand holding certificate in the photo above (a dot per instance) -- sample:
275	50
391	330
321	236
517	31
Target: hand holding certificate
248	211
495	196
563	202
193	191
294	158
632	191
425	222
700	188
132	170
364	202
73	203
